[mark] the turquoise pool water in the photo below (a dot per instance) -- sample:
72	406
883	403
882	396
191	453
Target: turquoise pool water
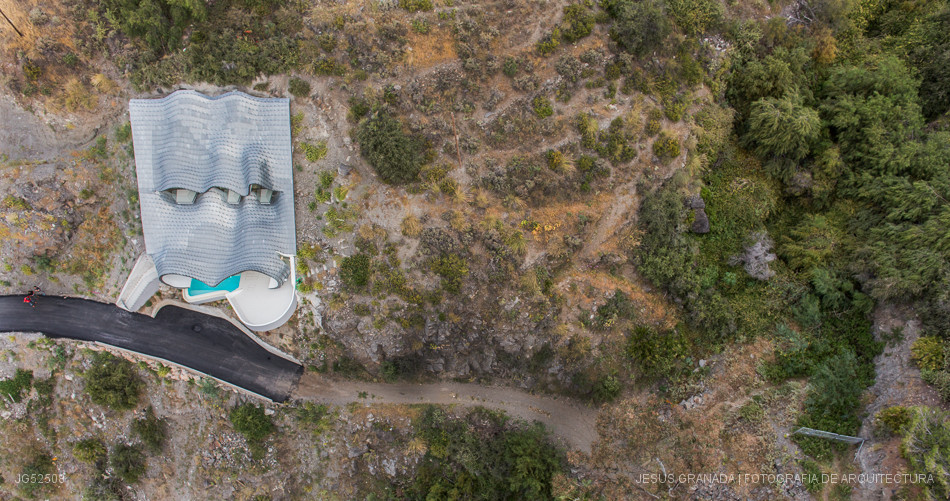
228	284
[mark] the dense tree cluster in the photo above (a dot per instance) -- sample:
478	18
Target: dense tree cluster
481	456
849	141
113	382
396	155
842	158
160	23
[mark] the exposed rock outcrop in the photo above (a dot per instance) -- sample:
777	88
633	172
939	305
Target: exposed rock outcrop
700	219
757	257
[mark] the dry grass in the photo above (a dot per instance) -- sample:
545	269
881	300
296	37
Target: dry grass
428	50
19	13
411	226
103	84
642	431
96	239
76	97
44	45
480	198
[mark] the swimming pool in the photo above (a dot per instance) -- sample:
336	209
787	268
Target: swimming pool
228	284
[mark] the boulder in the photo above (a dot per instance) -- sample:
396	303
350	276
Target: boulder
700	222
696	202
757	257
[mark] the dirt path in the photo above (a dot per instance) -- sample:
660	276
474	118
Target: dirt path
625	200
897	383
567	419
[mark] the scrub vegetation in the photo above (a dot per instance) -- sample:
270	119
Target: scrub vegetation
713	221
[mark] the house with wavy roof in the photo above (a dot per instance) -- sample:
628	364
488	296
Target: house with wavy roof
215	182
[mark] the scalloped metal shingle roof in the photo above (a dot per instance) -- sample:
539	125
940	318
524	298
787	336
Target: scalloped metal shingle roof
195	142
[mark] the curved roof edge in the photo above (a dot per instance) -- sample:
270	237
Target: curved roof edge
192	92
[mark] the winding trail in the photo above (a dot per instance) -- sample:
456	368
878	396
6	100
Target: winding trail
566	418
213	346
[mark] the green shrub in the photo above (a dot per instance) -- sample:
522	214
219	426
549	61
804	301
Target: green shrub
420	26
39	465
296	123
315	152
269	49
128	462
315	416
15	202
674	108
549	43
44	262
150	429
70	59
617	307
112	382
940	380
326	179
510	67
929	352
123	133
893	419
159	23
587	127
926	446
354	271
308	251
14	387
556	160
359	107
416	5
783	127
694	17
542	107
104	489
299	87
752	411
668	258
666	147
389	371
812	470
338	219
99	149
657	353
322	195
209	387
251	421
640	27
327	42
90	451
612	144
607	389
347	367
395	155
480	457
578	22
31	70
452	268
533	461
833	400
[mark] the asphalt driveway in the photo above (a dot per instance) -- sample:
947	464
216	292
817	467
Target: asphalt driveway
204	343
